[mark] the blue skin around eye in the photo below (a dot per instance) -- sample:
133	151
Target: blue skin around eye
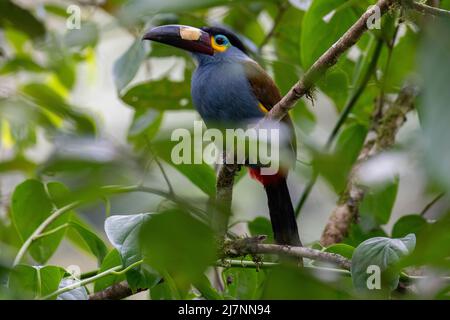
220	90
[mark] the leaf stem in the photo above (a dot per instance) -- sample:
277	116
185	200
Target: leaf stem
131	266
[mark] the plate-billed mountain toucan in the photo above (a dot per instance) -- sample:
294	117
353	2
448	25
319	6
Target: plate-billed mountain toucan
229	87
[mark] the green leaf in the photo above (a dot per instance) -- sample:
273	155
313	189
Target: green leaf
383	253
123	232
161	291
376	207
335	166
86	36
413	223
176	244
61	196
12	15
201	175
433	245
50	100
288	282
323	24
111	260
94	243
126	67
342	249
20	63
159	95
79	293
140	10
33	281
203	285
403	61
261	226
30	206
357	234
433	109
241	283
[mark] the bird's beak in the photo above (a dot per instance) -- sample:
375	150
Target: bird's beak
183	37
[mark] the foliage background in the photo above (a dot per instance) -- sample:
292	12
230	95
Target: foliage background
82	109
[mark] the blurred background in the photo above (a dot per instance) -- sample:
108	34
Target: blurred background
84	102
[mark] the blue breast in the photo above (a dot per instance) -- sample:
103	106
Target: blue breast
221	92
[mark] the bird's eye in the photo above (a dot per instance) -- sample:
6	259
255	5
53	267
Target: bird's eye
221	40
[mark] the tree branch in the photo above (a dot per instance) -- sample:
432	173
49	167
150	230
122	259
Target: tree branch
117	291
225	178
426	9
381	138
253	245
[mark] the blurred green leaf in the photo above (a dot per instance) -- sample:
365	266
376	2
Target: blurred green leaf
261	226
34	281
12	15
87	35
203	285
159	95
293	283
335	167
50	100
243	284
403	62
383	253
201	175
55	9
177	244
94	243
433	109
242	18
342	249
31	205
324	22
142	10
126	67
20	63
161	292
111	260
357	234
413	223
376	207
433	245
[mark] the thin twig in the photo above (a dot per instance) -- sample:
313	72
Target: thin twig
426	9
431	204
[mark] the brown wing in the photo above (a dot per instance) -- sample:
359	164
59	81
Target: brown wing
267	93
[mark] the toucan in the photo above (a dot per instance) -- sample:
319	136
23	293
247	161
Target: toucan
230	87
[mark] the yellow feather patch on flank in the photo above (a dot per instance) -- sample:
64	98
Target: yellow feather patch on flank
216	46
262	108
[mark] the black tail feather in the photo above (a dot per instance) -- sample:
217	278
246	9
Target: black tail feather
284	224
